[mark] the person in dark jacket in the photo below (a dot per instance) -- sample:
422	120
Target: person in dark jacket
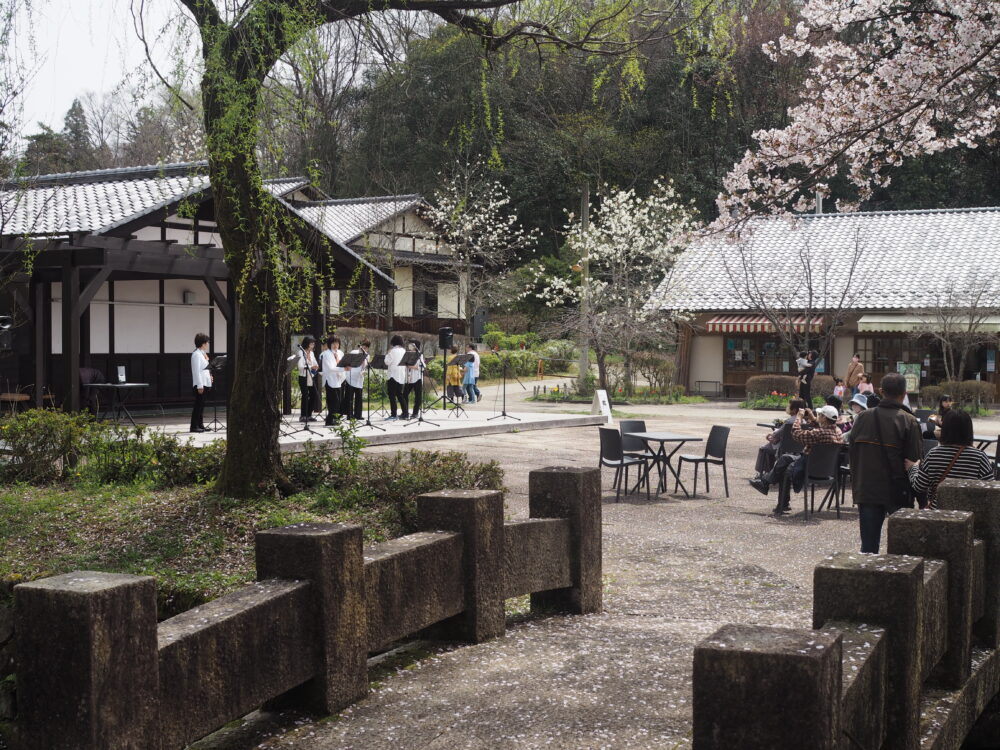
882	440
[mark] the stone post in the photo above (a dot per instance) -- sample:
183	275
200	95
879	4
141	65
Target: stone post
330	557
943	535
762	688
883	590
87	664
982	499
574	494
478	516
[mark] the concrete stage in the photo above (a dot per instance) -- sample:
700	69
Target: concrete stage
446	427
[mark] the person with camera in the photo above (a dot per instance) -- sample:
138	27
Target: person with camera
883	440
809	429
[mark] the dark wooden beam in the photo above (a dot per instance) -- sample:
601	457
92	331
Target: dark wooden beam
71	336
219	299
23	303
154	247
36	292
163	265
93	286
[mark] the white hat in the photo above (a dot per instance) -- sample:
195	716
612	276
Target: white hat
829	412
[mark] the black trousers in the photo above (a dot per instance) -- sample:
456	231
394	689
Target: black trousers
353	402
871	516
332	404
805	392
198	412
417	389
308	393
395	389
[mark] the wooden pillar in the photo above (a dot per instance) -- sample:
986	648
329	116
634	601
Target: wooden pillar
39	354
317	325
71	336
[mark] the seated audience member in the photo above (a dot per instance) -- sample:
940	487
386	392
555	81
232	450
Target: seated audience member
809	430
768	452
954	458
934	421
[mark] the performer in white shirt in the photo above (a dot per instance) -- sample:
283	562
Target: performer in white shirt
397	377
333	376
308	367
414	381
471	349
201	379
355	384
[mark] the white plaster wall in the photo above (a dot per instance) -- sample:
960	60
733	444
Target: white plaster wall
219	345
843	350
706	358
137	317
403	299
99	334
448	303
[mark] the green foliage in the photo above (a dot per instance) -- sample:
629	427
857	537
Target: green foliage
495	338
43	444
656	368
776	401
766	385
969	392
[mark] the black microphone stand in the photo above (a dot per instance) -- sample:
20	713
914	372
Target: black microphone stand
368	385
503	410
418	405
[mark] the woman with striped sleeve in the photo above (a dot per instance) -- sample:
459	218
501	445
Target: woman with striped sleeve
954	458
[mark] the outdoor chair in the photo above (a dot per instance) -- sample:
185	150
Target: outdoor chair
843	476
788	444
14	397
613	456
715	453
633	446
923	414
928	444
822	470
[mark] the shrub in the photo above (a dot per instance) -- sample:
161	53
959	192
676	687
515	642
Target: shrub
656	368
179	464
563	350
759	386
970	391
43	443
117	454
930	394
822	385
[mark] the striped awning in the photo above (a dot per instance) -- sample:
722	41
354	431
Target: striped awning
755	324
906	323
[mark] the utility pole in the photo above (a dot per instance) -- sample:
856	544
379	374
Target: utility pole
584	287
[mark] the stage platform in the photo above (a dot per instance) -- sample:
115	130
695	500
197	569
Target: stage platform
445	427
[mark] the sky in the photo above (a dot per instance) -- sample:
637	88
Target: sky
80	46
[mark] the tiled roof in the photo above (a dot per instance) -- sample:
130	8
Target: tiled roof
908	260
99	201
347	220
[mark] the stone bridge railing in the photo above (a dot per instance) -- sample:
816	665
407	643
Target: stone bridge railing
95	671
904	652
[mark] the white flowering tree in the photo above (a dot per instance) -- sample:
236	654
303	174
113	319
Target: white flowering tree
473	218
627	249
888	81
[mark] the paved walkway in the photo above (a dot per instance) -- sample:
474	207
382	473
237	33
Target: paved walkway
675	570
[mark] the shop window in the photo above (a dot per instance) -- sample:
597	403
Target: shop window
741	354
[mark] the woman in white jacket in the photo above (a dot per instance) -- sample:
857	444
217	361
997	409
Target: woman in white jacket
201	380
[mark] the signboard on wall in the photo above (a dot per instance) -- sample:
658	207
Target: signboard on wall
912	374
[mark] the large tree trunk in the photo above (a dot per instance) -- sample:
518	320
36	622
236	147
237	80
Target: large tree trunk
251	229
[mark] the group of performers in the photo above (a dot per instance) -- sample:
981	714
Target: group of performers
344	384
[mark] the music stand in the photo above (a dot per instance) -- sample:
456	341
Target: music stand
357	359
287	428
378	363
411	359
217	364
503	409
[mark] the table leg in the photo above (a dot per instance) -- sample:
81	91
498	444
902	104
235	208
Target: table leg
124	409
666	460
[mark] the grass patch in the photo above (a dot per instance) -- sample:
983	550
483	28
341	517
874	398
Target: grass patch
198	545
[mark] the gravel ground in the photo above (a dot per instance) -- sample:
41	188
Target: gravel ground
675	570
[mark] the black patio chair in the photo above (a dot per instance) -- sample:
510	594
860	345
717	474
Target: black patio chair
715	453
843	476
923	414
822	470
612	455
928	444
788	443
633	446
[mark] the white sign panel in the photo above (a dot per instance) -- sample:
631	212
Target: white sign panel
601	404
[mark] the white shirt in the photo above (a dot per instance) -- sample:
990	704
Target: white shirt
333	375
200	376
307	363
397	371
475	363
356	376
415	374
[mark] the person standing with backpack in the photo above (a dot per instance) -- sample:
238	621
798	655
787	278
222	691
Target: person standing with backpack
883	440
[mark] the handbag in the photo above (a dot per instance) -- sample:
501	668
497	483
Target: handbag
900	491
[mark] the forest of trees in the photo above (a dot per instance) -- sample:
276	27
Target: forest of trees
391	109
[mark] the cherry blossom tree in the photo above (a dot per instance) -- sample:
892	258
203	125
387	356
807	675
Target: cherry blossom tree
889	81
473	219
627	249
